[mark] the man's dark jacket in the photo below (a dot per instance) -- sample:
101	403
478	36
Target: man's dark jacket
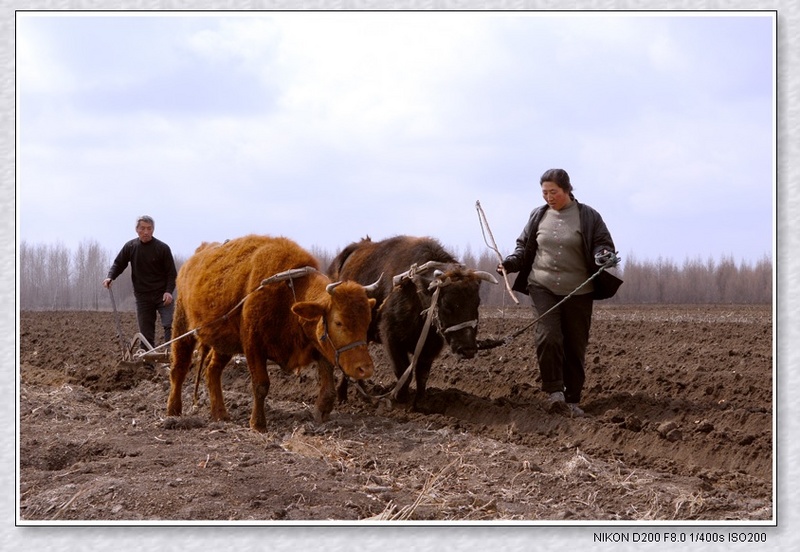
152	266
596	238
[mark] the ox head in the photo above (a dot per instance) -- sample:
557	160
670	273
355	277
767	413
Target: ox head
343	315
456	307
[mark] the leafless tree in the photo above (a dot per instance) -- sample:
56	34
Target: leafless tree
90	264
49	277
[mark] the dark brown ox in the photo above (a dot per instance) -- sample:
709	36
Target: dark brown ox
230	296
403	303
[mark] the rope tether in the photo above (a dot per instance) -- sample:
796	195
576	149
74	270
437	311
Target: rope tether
606	260
281	276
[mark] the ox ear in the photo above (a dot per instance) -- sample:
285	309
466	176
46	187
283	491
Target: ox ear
308	310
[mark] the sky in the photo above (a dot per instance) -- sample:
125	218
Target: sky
330	126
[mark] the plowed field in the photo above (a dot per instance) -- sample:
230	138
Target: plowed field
679	427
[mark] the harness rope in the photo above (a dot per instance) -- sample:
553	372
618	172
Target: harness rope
420	342
607	260
431	313
281	276
423	336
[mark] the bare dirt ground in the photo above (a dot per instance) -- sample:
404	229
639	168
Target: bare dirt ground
679	427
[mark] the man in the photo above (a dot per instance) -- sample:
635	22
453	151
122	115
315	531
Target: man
153	275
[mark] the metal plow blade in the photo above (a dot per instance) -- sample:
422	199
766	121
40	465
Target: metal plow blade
140	352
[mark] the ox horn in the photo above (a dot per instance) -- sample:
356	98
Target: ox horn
437	282
374	285
485	276
414	270
330	287
435	265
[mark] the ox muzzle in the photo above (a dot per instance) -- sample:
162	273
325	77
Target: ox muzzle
337	351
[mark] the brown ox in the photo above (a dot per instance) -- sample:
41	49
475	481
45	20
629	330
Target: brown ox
228	295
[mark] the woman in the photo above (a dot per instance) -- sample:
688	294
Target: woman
555	254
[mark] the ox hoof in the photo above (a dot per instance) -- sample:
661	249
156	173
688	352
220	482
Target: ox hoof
319	416
385	406
220	417
341	391
401	396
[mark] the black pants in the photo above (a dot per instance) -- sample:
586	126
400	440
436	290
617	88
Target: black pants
561	340
148	305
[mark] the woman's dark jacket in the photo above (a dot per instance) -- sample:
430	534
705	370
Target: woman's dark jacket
596	238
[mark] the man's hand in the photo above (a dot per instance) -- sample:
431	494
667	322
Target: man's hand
167	298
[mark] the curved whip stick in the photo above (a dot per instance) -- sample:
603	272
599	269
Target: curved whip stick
493	246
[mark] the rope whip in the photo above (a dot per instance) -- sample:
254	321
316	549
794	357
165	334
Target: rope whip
493	246
605	260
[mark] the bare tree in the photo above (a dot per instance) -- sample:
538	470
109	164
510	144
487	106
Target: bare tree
32	262
50	278
90	264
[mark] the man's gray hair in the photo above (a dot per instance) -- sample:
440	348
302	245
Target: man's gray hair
147	219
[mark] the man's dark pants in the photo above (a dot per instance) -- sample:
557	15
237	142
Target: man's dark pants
148	306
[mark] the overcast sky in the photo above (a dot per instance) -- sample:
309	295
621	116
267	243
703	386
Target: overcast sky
326	127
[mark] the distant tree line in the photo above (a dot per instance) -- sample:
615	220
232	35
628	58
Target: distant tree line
51	277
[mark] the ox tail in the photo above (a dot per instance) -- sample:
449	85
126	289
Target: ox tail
204	353
179	323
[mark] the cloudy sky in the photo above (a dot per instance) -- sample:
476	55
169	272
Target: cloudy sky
326	127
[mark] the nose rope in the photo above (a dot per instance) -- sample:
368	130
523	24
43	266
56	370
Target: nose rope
456	327
439	326
340	350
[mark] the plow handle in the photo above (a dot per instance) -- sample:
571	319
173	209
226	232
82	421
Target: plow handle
119	326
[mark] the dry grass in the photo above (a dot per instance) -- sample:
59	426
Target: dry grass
648	496
328	448
432	493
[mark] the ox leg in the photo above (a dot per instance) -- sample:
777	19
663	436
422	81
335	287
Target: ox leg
341	391
421	373
182	351
214	383
431	349
259	377
327	391
400	361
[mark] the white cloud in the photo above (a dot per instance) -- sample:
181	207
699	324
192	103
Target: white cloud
328	126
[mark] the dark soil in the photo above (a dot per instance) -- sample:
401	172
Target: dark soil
679	427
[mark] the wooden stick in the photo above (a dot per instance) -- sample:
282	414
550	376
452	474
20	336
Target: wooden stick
493	246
